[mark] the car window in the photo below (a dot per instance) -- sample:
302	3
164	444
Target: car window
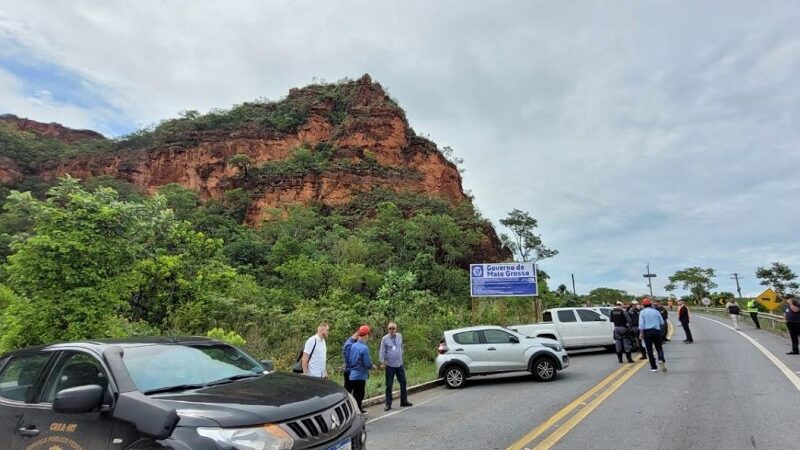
547	316
587	315
497	336
566	316
20	374
75	369
467	337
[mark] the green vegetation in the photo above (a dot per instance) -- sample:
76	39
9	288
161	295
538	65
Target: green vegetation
33	153
91	263
779	277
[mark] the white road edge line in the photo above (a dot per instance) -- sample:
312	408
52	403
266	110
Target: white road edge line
405	409
794	379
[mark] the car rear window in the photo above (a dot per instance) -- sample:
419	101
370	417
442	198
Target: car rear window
466	337
20	375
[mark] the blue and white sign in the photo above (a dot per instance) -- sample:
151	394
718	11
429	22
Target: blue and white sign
503	280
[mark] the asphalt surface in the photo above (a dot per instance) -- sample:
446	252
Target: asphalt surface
719	393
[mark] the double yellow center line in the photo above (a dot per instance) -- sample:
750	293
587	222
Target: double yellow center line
556	427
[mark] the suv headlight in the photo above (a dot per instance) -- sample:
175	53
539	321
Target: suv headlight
554	345
267	437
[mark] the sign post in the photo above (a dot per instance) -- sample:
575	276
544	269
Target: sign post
517	279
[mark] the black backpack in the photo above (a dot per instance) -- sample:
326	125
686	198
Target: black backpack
734	309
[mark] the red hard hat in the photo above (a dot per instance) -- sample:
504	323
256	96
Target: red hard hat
647	302
363	330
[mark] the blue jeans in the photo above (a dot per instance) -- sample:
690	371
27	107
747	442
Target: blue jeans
401	378
653	337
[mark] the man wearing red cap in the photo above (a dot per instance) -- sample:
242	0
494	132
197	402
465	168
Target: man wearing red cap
650	323
360	365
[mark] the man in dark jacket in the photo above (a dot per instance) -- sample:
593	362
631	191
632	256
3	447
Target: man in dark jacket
664	314
633	312
622	328
792	316
683	318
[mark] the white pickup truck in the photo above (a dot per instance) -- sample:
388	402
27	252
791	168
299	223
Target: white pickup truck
573	327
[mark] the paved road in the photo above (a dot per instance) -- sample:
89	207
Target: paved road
720	392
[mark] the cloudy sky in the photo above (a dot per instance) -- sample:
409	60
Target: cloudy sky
634	131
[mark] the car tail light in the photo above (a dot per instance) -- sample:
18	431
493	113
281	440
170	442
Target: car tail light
442	348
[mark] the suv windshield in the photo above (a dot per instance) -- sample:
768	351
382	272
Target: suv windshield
160	367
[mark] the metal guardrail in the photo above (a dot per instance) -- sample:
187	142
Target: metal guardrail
772	319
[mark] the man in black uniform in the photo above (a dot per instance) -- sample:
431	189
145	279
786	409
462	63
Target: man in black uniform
633	312
622	328
664	314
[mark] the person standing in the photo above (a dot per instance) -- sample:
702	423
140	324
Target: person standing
633	311
664	315
360	365
622	327
315	353
650	323
391	358
346	358
792	316
752	308
683	318
733	310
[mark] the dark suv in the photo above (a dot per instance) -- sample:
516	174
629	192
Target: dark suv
164	393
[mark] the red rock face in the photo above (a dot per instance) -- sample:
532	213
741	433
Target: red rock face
50	130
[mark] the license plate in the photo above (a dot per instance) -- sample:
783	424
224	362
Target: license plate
344	445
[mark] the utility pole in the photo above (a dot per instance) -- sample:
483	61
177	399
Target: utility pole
649	277
738	288
573	286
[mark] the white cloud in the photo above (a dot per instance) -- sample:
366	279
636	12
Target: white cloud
661	132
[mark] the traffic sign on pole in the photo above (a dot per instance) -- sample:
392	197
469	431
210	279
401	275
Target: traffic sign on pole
516	279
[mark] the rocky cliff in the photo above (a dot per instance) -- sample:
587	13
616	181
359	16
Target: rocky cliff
322	144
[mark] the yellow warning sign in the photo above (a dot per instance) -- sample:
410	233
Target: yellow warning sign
769	299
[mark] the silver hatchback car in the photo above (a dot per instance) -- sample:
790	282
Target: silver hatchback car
488	349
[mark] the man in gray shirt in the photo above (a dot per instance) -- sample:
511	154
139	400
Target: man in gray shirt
391	357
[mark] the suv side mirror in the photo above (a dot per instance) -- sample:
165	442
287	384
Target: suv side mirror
81	399
268	365
513	340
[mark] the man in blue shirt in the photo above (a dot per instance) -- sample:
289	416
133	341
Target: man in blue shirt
346	358
650	323
391	357
360	365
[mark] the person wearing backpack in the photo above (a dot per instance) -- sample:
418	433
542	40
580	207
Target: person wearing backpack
315	353
733	309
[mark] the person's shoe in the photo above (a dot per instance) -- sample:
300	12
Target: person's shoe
643	358
663	366
685	340
653	370
364	411
793	353
688	342
387	408
406	404
667	340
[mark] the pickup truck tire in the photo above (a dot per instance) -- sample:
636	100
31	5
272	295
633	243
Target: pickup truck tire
454	377
544	368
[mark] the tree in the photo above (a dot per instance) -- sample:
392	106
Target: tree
241	161
604	295
524	242
780	277
94	266
696	280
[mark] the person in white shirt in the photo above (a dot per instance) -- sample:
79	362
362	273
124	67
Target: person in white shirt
315	353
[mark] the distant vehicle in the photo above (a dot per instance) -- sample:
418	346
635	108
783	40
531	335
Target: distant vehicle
163	393
572	327
488	349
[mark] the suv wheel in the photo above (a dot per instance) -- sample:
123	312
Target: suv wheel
454	377
544	369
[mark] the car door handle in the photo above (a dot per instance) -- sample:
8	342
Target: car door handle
491	348
459	349
29	431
